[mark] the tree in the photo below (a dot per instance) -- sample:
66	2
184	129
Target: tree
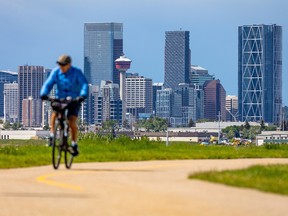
16	125
285	125
230	134
247	125
108	125
159	124
262	125
7	125
126	124
191	123
46	127
148	124
154	124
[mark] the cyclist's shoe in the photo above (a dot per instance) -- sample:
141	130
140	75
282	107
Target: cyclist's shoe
74	151
50	140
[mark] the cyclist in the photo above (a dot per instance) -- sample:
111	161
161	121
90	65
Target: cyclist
70	82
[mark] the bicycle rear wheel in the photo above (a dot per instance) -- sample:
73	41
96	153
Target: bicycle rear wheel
57	145
68	159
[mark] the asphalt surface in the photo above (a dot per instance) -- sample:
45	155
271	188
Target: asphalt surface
149	188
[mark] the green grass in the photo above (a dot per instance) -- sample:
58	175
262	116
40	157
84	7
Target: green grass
27	153
270	178
93	148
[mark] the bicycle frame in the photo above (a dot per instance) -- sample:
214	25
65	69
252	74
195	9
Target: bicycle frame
61	133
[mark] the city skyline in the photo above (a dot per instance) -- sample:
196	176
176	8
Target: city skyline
212	24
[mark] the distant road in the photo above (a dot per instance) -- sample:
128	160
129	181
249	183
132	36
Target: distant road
149	188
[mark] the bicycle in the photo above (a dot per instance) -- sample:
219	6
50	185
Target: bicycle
61	132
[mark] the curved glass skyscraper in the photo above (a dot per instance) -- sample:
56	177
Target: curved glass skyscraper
260	72
103	44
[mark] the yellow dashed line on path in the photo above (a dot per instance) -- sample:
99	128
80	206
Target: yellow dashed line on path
45	179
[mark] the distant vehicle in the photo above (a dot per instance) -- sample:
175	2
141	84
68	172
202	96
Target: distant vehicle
224	141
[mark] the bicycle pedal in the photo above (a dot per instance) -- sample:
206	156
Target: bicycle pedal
70	149
75	150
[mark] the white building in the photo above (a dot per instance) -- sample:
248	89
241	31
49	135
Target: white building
23	134
11	102
139	95
214	126
232	107
276	137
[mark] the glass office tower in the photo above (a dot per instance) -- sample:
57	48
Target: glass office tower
103	44
260	72
177	58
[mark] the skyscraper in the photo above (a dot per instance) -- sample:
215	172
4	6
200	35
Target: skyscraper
192	103
260	72
232	108
214	100
31	112
163	103
30	81
138	95
11	102
5	77
109	105
89	106
177	58
103	44
199	75
155	87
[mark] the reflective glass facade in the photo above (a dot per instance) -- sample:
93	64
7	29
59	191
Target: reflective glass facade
177	58
163	103
103	44
260	72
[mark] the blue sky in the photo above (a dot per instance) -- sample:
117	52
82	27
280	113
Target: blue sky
36	32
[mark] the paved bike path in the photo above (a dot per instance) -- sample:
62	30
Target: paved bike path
133	188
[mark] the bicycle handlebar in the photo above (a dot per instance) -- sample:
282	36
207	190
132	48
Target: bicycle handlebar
64	100
59	105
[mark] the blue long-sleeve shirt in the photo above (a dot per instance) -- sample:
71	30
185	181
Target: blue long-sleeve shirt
72	83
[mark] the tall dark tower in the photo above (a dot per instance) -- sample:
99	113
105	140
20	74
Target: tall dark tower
177	58
103	44
260	72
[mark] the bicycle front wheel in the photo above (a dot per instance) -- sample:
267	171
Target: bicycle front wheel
57	145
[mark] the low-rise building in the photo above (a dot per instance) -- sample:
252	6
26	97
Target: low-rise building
176	136
276	137
23	134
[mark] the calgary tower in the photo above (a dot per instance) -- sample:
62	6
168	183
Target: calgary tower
122	65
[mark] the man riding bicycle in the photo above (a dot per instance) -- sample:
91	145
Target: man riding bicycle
70	82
